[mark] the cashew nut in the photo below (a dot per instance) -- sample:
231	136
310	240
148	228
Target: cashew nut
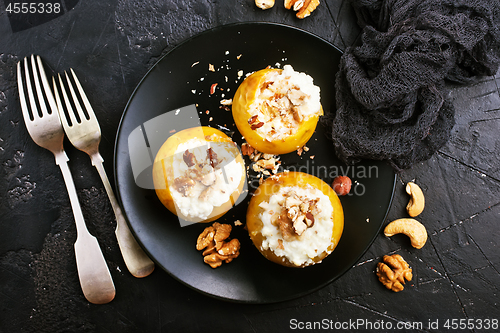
264	4
411	228
417	201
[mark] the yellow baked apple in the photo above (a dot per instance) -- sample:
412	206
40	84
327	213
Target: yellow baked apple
198	174
295	219
277	110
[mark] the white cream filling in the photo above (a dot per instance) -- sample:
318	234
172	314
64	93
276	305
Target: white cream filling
314	241
227	178
273	104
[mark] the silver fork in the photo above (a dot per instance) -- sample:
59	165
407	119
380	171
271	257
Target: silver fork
45	129
84	133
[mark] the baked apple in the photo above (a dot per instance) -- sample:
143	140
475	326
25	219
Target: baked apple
277	110
198	174
295	219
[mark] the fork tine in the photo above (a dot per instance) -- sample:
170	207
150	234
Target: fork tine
85	100
45	82
79	109
60	109
22	96
39	93
71	114
34	109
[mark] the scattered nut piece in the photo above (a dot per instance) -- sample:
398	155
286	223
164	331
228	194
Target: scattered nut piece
411	228
263	163
212	88
264	4
342	185
303	8
246	149
393	272
218	247
417	201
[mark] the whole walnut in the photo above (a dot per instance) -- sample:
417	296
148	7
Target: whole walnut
393	272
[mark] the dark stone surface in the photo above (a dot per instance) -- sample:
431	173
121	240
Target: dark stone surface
456	275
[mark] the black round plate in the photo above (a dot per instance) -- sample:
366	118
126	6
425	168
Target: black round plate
176	81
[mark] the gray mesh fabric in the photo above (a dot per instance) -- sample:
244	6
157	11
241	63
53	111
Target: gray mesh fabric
391	89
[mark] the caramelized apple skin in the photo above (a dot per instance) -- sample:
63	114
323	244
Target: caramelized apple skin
271	186
244	97
163	172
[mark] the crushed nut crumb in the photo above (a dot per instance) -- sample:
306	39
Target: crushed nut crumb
212	88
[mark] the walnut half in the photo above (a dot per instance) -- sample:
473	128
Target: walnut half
304	8
214	240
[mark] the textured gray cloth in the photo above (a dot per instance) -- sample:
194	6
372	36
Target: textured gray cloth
390	90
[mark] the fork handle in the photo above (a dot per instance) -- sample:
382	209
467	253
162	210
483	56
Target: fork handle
93	273
62	160
137	261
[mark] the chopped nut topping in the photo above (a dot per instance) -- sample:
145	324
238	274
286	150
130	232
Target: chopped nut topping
258	125
309	219
280	107
184	185
198	172
297	215
252	119
205	194
189	158
212	157
297	116
209	177
285	226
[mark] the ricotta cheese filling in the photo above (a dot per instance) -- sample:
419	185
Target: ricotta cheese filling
285	100
205	176
301	248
